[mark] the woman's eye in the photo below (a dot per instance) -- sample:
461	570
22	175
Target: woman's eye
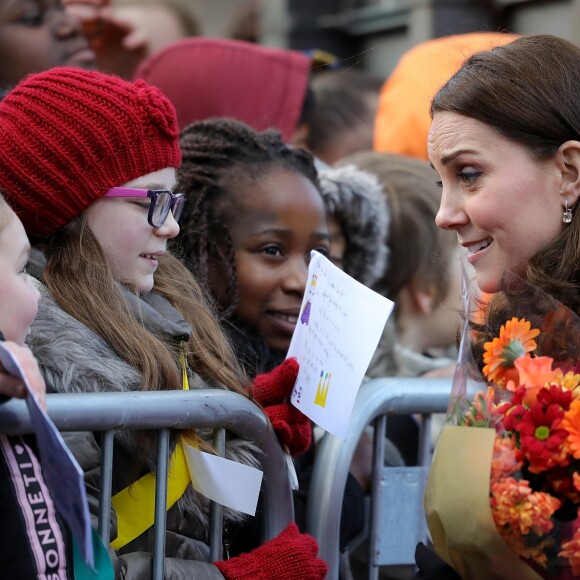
142	205
272	250
468	176
24	269
439	184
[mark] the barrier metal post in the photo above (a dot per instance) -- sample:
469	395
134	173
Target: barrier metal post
402	396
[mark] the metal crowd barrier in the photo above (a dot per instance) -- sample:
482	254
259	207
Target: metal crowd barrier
162	411
392	488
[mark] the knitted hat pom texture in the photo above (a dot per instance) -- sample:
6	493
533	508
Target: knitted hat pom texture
70	135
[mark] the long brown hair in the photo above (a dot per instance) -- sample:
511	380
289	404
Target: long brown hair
80	279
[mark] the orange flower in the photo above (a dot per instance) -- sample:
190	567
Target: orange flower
516	339
571	423
504	462
535	372
515	505
571	551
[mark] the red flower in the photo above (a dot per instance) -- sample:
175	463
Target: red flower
560	483
554	395
541	439
513	413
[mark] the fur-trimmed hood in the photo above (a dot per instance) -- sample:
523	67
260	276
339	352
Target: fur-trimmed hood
355	198
74	359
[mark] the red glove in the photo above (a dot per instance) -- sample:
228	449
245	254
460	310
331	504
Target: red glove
272	390
289	556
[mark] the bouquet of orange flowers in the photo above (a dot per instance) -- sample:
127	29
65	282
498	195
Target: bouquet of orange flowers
516	514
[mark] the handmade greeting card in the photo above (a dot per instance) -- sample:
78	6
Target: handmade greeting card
340	324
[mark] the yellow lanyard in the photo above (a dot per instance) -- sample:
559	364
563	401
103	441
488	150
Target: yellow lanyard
135	505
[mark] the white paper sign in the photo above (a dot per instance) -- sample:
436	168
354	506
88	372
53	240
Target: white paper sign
340	324
61	472
226	482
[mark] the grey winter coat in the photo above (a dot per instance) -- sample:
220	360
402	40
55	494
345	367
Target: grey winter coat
73	359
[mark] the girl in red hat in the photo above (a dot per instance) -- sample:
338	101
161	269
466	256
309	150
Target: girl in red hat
90	167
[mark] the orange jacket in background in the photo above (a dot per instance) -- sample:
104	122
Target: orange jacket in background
402	122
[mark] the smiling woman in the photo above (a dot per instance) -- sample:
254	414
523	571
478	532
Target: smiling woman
505	140
495	195
36	35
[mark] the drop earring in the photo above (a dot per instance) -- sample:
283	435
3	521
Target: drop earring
567	215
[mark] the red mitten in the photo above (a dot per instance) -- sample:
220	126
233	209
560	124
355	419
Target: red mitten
291	426
276	386
289	556
272	391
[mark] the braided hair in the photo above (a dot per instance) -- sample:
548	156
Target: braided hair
217	155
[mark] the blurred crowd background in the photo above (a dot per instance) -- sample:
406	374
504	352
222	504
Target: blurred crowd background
375	33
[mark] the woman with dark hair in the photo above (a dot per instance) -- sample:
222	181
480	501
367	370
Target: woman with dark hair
505	141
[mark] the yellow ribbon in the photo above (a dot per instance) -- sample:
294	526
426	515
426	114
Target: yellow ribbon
135	505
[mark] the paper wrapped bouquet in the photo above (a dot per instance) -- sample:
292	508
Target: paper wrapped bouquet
503	496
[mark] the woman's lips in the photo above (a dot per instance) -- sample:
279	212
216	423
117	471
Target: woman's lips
478	249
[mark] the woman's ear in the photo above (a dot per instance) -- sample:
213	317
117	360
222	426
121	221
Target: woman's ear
568	161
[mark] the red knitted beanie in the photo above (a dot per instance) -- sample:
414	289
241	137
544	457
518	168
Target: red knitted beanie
69	135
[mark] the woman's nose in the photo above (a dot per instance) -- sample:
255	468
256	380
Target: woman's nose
451	214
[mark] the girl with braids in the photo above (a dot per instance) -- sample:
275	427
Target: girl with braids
253	215
89	166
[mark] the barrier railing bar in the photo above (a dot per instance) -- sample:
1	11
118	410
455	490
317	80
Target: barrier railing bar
216	510
424	452
105	492
200	409
380	432
402	396
160	504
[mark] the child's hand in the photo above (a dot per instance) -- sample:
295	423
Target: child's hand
276	386
272	390
13	387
